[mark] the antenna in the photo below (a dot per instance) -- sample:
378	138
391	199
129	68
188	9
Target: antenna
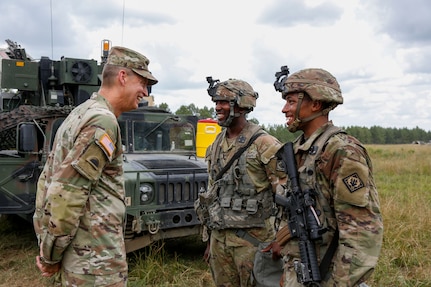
122	26
52	33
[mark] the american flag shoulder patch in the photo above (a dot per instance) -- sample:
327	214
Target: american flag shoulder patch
107	144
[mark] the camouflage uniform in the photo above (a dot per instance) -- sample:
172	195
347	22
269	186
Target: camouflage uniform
236	207
80	205
348	197
232	255
338	168
80	200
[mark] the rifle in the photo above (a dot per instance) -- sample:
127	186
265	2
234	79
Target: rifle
303	220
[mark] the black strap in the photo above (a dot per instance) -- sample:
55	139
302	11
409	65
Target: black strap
326	261
245	235
236	155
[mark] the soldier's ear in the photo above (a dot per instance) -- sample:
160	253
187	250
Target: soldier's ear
122	75
316	106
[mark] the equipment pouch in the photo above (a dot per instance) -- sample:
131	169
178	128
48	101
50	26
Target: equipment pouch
225	202
252	206
205	199
216	216
201	211
237	204
267	272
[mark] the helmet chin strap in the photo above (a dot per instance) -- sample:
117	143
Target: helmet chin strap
297	121
231	116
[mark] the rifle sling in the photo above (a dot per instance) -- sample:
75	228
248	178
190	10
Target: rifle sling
237	155
326	260
245	235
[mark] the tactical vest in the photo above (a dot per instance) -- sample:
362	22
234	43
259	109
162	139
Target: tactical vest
307	179
237	204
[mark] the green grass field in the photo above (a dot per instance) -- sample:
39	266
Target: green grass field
403	177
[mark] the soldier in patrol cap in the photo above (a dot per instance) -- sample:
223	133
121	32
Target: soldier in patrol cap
336	168
80	201
235	209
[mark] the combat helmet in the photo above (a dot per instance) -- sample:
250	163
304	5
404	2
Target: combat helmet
318	84
238	91
235	92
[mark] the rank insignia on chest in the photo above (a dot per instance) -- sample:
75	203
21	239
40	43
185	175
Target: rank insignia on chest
241	139
353	182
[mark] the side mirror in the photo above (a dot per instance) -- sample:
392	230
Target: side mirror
27	137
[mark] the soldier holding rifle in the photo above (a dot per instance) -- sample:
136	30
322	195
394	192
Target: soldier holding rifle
333	216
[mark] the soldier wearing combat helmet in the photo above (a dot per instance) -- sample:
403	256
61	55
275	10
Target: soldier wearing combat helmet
337	169
236	208
80	200
235	92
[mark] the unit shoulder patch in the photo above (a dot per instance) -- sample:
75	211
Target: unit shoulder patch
353	182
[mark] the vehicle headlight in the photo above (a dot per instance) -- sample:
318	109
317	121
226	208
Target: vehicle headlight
146	192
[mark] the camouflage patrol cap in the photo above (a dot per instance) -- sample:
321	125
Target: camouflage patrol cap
319	84
124	57
238	91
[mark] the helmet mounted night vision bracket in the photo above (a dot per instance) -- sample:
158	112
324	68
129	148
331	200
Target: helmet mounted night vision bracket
280	79
213	85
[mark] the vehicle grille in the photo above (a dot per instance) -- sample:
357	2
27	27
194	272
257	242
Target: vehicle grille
181	190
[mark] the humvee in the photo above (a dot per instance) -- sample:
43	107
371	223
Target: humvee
163	175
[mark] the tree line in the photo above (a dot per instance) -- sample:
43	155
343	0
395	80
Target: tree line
367	135
372	135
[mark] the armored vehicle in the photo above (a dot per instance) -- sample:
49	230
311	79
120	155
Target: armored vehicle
162	173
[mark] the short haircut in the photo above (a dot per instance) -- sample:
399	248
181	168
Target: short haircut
110	72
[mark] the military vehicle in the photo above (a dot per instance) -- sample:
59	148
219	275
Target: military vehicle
162	173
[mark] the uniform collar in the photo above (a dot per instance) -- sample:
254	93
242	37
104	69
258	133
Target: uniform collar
101	99
240	140
303	145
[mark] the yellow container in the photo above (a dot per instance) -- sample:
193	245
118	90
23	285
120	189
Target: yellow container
206	133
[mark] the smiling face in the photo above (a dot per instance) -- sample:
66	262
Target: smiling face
290	110
135	90
222	109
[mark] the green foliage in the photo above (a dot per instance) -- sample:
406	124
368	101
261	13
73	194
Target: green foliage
372	135
165	107
254	120
195	111
281	133
187	110
206	113
379	135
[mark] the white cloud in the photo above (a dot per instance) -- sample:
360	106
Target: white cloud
381	67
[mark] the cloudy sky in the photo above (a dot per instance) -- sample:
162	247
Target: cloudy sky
379	51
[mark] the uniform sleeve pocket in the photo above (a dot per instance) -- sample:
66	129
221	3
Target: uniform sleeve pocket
91	163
